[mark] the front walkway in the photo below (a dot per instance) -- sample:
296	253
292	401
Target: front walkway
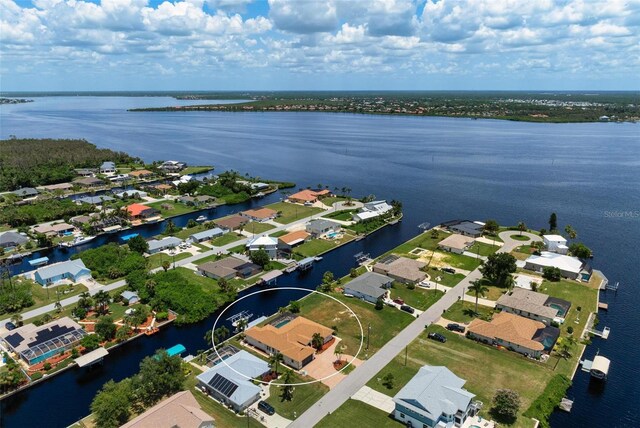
273	421
374	398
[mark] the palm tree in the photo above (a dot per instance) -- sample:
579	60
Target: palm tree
479	289
571	232
242	324
274	360
317	341
102	299
337	351
16	319
287	391
220	333
522	227
58	307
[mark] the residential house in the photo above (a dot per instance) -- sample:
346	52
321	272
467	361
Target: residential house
372	209
465	227
292	340
132	193
369	286
228	268
94	200
231	223
35	344
107	168
555	244
164	188
81	220
570	267
260	215
12	239
130	297
308	196
225	383
196	201
267	243
26	192
157	245
533	305
85	172
73	270
434	398
141	212
180	410
292	239
89	182
140	173
206	235
516	333
456	243
403	269
54	187
58	229
172	166
320	227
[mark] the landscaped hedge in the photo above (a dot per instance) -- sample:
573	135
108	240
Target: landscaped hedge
544	405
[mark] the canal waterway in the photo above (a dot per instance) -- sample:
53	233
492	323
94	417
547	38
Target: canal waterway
440	168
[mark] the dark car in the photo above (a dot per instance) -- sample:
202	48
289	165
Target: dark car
10	326
407	308
448	270
266	407
438	337
456	327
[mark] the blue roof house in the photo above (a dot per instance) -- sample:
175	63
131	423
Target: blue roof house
224	383
434	398
73	270
130	297
107	167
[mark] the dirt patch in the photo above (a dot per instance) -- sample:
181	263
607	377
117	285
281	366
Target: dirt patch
438	259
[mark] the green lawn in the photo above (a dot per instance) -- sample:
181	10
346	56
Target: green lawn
418	298
225	239
304	396
448	279
354	413
187	232
256	227
330	200
346	215
463	311
385	323
483	249
485	369
278	233
519	237
292	212
44	296
176	208
155	260
461	261
494	292
313	247
424	240
195	170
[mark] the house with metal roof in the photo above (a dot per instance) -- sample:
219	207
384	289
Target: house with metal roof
465	227
131	297
555	243
12	239
132	193
107	167
73	270
434	398
533	305
230	381
369	286
157	245
180	410
25	192
94	200
321	227
206	235
371	210
267	243
570	267
401	269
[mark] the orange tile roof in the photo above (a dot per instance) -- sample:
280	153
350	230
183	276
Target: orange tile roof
511	328
292	339
139	172
180	410
294	236
309	195
137	209
260	213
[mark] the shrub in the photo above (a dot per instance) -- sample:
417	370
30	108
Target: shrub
47	366
551	273
544	405
506	404
161	316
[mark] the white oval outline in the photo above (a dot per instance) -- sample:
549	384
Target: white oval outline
215	348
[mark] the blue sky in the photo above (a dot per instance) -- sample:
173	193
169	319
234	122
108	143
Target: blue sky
319	44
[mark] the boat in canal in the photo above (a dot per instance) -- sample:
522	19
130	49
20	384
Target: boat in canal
201	218
78	240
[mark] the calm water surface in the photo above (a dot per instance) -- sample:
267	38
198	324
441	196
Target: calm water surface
440	168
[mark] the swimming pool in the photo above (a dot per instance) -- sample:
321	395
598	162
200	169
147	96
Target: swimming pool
281	323
333	235
560	309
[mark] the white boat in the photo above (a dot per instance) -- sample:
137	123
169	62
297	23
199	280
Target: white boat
201	218
78	240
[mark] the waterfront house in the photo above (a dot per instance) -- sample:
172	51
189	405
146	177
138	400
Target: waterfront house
224	382
292	239
320	227
107	168
54	187
555	244
570	267
180	410
59	229
130	297
231	223
89	182
85	172
206	235
157	245
94	200
292	339
525	336
73	270
12	239
308	196
25	192
132	193
371	210
403	269
172	166
369	286
456	243
260	215
35	344
228	268
140	173
141	212
465	227
267	243
532	305
196	201
434	398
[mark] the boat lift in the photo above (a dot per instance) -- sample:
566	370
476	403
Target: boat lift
362	258
235	319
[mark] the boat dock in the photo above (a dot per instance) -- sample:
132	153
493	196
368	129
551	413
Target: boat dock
362	258
39	262
604	333
235	319
598	368
565	405
270	278
306	263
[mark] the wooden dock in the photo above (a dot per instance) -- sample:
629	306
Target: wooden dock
603	306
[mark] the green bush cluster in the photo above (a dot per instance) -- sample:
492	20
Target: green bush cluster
544	405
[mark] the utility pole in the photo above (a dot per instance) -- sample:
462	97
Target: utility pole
368	335
406	351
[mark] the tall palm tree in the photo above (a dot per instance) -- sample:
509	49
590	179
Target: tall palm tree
571	232
317	341
522	227
479	289
274	360
16	319
102	299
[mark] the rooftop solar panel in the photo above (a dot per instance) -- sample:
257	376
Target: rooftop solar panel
14	339
223	385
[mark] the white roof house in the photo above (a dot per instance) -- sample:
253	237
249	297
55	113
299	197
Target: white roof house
569	266
372	209
267	243
555	243
163	244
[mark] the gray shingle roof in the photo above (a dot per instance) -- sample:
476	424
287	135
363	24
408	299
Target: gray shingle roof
72	267
12	238
207	234
168	242
370	283
25	191
528	301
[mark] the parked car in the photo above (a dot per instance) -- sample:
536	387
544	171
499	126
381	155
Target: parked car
10	326
407	308
266	407
455	327
398	301
438	337
448	270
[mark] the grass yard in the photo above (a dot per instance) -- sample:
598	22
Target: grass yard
44	296
494	293
278	233
176	208
418	298
447	279
330	200
463	311
304	396
424	240
485	369
225	239
314	247
461	261
155	260
292	212
385	324
195	170
483	249
256	227
356	413
346	215
519	237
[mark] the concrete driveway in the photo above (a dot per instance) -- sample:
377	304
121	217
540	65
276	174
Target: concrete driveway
322	366
374	398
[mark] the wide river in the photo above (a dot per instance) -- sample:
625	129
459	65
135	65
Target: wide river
440	169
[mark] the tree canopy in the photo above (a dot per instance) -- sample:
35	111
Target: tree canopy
498	268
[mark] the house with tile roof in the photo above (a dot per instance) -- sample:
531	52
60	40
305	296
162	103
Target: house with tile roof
180	410
261	214
309	196
292	239
456	243
403	269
